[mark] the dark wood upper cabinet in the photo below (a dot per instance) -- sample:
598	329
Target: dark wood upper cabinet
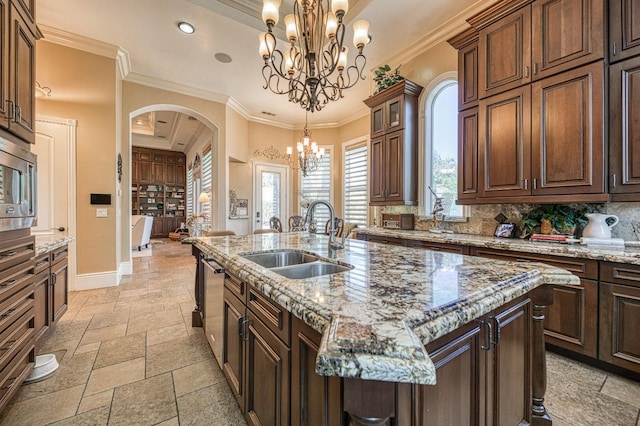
504	53
467	45
565	34
145	173
567	132
468	153
4	64
505	143
624	29
624	130
170	174
181	174
393	172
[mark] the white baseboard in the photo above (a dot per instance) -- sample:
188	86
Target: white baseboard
98	280
126	268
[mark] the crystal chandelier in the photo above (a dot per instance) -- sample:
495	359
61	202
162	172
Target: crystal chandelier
312	70
309	155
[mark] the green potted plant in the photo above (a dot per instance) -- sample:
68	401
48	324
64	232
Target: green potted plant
564	219
386	78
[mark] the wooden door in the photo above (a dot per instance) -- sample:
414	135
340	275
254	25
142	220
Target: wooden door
394	167
619	325
509	374
170	225
170	174
624	128
233	346
5	33
181	174
565	34
376	173
505	53
22	77
458	397
144	172
567	132
624	29
134	172
394	114
468	76
468	154
59	279
267	378
315	400
504	140
157	172
377	121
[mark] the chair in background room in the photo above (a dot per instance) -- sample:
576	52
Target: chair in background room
296	223
338	226
219	233
274	223
266	231
141	231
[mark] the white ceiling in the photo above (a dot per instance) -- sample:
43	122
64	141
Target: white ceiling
147	30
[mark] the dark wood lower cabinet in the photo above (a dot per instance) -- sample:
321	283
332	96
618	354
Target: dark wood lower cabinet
233	346
59	279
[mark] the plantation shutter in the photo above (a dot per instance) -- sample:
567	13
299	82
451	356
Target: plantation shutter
317	186
356	206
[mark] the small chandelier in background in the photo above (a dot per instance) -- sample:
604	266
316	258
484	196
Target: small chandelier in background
308	156
314	71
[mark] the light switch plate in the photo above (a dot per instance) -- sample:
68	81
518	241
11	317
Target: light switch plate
101	212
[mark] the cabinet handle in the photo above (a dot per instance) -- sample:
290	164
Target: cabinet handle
497	333
8	314
535	183
9	386
9	253
18	114
526	183
240	326
54	278
613	178
8	283
535	68
615	49
10	344
489	334
12	110
245	323
526	72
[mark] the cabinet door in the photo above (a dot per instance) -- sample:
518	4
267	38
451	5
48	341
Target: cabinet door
394	114
565	34
4	63
624	29
315	400
619	325
394	167
181	174
458	397
505	143
443	247
144	172
468	76
267	376
170	224
567	132
42	312
233	346
134	172
170	174
59	280
157	172
509	375
22	77
505	53
468	154
624	128
376	174
377	121
157	230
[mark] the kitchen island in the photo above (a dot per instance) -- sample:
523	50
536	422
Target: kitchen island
397	325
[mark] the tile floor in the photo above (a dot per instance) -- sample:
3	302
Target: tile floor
129	356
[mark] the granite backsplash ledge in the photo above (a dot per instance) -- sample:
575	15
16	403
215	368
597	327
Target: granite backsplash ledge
481	220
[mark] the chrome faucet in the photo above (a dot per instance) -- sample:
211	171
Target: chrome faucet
333	244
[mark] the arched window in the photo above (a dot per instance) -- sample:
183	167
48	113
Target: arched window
441	148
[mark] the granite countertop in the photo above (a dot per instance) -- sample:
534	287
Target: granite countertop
624	254
47	243
376	318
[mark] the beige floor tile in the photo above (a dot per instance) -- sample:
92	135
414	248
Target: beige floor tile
101	334
176	354
92	402
154	320
97	417
68	331
147	401
97	308
115	375
567	369
213	405
121	349
92	347
196	376
165	334
53	346
45	409
622	389
108	319
171	422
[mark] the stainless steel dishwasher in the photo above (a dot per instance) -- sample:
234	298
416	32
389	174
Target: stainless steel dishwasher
213	306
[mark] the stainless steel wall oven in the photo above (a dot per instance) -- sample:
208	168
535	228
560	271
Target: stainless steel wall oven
18	190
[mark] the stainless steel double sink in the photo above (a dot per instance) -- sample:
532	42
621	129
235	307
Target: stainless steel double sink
296	264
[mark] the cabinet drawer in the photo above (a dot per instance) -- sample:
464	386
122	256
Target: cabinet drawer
17	335
16	251
274	316
447	248
12	376
41	263
236	286
15	306
583	268
59	254
15	278
620	273
386	240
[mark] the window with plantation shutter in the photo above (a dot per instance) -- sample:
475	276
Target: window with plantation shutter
356	205
190	199
207	169
317	186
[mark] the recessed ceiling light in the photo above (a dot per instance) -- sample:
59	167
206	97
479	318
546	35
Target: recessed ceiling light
161	121
139	122
186	27
268	113
223	57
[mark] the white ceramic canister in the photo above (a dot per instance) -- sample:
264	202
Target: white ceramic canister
598	226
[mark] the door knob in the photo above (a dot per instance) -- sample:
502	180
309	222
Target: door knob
61	229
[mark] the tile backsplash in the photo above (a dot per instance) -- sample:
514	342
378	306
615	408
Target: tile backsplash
481	217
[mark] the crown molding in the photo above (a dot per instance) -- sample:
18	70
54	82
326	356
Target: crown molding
438	35
158	83
124	62
78	42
